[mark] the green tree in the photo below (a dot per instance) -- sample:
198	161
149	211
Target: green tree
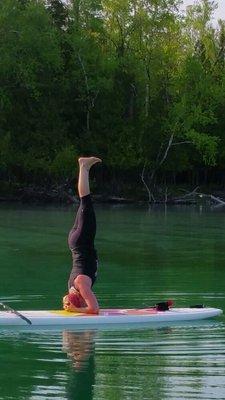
30	64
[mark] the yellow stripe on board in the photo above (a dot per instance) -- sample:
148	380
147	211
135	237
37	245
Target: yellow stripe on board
64	313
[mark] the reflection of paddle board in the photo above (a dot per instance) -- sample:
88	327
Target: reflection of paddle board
108	316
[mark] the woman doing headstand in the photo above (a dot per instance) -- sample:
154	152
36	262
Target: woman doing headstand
81	243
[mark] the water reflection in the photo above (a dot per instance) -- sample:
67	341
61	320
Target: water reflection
79	347
183	361
145	257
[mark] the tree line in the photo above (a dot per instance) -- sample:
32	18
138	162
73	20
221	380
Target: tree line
135	82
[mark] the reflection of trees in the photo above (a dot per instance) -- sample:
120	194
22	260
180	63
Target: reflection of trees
79	347
128	364
32	365
26	369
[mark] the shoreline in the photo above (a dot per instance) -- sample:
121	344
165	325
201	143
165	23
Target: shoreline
37	195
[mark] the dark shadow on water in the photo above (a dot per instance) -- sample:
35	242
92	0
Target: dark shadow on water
79	347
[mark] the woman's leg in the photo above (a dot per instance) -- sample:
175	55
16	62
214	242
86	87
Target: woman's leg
84	229
83	234
83	181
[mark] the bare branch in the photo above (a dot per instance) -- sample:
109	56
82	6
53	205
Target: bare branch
167	149
90	102
150	196
166	195
84	73
159	161
177	143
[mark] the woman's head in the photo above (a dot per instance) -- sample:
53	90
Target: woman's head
73	299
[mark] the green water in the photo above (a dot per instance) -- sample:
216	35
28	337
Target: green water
145	256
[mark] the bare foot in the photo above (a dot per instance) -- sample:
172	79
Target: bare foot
87	162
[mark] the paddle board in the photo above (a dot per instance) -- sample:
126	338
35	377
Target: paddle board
108	316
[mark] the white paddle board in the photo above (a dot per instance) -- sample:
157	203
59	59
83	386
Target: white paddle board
107	316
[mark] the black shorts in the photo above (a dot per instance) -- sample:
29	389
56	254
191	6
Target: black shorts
91	272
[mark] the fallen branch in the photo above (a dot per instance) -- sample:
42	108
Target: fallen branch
216	199
187	194
194	193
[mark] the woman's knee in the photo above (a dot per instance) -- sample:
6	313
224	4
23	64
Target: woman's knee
82	281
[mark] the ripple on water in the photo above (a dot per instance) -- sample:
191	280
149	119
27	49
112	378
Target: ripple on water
178	362
145	257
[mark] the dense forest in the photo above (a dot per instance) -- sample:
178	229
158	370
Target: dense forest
135	82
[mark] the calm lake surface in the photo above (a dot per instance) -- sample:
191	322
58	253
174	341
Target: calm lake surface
146	255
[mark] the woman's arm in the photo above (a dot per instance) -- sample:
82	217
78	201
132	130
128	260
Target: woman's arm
89	302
